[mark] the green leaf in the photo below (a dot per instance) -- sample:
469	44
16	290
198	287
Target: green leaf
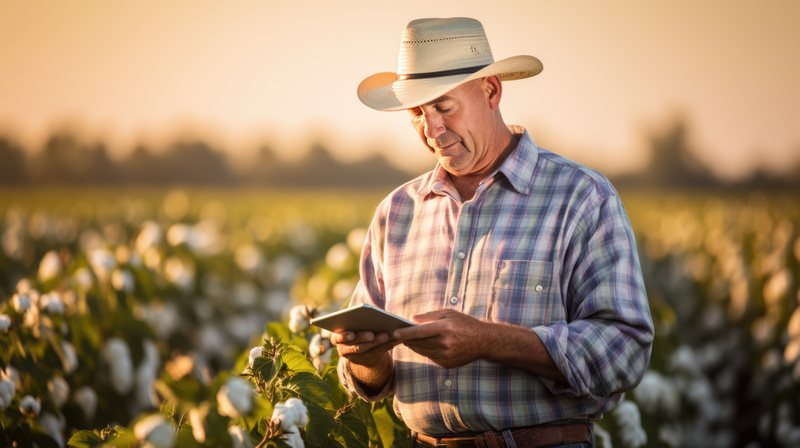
86	439
309	387
390	428
352	431
320	424
295	359
264	368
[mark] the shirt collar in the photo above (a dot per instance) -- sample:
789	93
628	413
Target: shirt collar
517	168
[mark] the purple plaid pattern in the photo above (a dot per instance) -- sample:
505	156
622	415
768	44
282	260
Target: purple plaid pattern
544	244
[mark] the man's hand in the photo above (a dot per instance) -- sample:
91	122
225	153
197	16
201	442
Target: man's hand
364	348
368	354
449	338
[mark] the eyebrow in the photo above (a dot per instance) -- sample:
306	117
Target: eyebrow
444	97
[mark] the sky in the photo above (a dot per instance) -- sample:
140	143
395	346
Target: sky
246	73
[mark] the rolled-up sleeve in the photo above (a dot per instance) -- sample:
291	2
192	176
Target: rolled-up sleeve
605	345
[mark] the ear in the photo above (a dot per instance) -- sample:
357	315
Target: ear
494	91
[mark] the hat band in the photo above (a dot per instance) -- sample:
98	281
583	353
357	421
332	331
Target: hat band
455	71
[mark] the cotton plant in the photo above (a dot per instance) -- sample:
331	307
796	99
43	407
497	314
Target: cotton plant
299	317
118	358
7	392
629	421
235	398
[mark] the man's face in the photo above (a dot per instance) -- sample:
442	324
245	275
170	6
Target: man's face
455	127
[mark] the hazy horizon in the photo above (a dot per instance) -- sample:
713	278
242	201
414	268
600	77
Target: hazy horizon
239	75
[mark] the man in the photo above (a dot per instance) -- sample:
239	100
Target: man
519	265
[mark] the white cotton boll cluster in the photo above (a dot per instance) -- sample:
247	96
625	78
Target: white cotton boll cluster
5	323
86	398
629	420
50	267
59	391
7	392
145	377
122	280
22	302
293	415
118	357
30	406
235	398
52	303
54	427
70	361
657	392
155	432
239	437
299	318
103	263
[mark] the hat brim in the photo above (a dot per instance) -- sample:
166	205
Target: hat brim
386	91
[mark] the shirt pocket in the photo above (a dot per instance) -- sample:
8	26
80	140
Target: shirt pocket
526	293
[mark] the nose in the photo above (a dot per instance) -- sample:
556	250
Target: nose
434	125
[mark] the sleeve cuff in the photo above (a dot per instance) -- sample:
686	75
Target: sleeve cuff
354	387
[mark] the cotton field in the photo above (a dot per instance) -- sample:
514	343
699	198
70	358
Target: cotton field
180	318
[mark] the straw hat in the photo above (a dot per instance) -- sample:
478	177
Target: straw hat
436	56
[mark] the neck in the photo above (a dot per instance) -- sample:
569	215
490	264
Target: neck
467	184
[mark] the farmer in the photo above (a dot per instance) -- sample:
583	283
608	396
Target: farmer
519	265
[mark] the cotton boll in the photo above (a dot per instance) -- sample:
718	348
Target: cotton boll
150	236
53	427
118	356
70	361
86	398
299	318
122	280
59	391
52	303
154	431
198	425
5	322
146	374
255	353
235	398
50	266
21	302
30	406
83	279
239	437
103	263
629	420
7	392
292	415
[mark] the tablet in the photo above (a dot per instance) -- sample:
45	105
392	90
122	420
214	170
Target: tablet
362	317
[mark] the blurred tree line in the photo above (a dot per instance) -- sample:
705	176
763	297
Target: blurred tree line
65	160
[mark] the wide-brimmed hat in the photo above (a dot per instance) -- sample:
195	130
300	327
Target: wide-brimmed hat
436	56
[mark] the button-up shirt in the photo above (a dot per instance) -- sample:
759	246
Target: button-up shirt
544	244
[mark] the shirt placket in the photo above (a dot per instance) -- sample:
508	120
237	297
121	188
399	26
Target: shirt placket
455	300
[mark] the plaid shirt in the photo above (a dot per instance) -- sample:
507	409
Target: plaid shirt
545	244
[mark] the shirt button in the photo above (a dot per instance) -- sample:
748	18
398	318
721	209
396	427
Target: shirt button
454	300
538	288
448	383
462	255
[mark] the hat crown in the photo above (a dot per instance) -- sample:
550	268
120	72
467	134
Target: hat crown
434	45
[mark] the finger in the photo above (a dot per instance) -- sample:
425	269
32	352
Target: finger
430	316
342	337
427	330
